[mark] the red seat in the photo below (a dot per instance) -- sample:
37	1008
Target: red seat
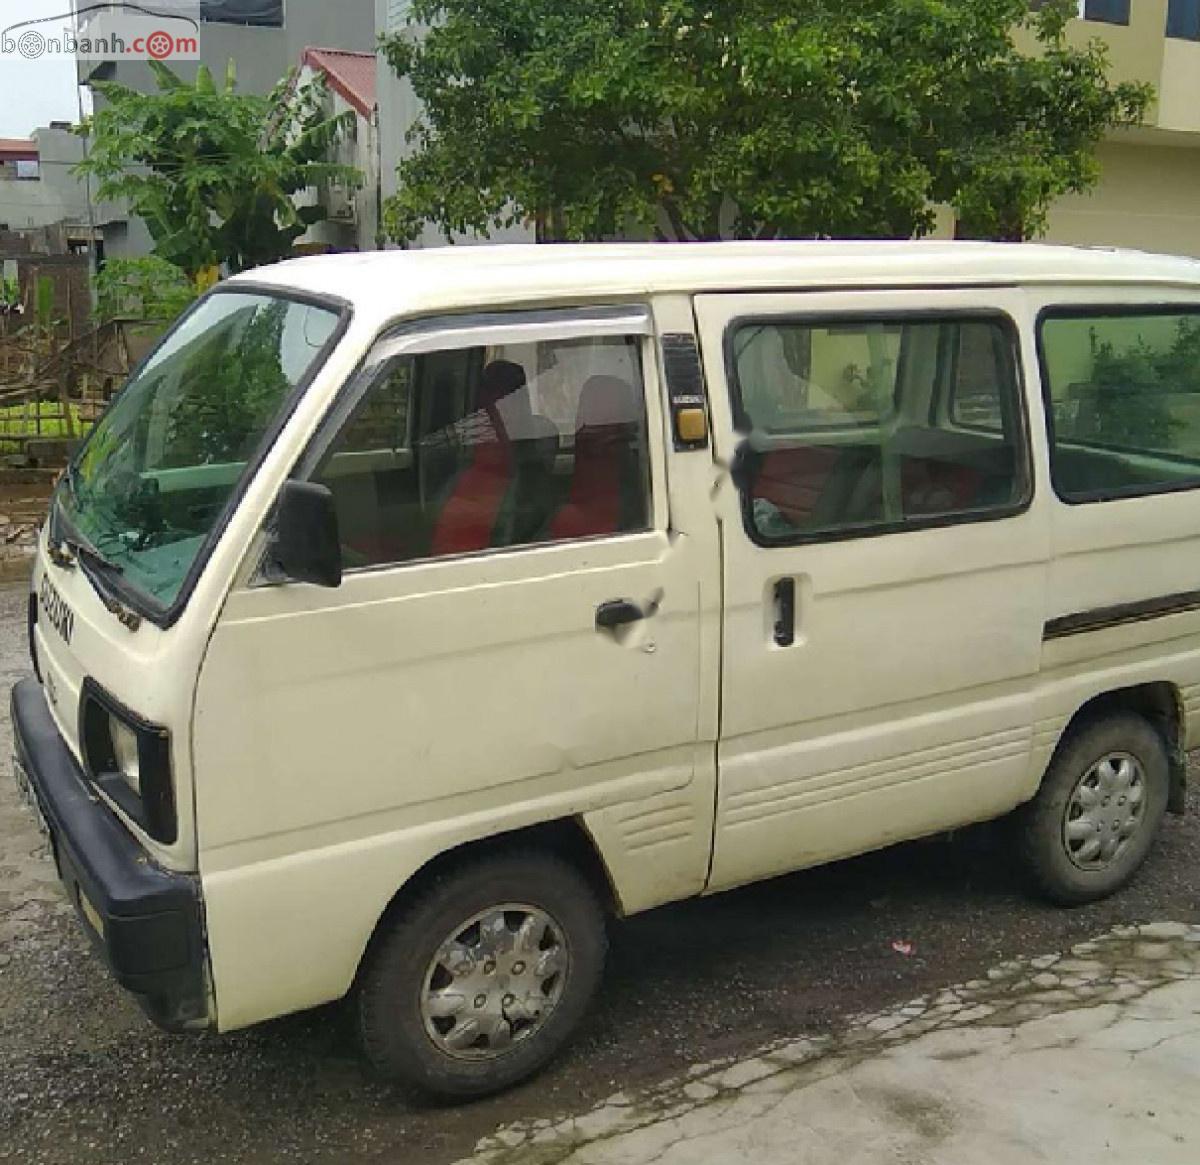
792	480
469	515
606	470
930	487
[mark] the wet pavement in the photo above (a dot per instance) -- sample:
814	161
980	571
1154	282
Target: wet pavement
84	1078
1091	1055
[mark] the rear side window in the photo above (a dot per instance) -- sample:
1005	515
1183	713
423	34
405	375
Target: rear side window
470	449
1123	396
855	425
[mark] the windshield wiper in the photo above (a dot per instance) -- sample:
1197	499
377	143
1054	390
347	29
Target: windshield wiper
98	567
89	556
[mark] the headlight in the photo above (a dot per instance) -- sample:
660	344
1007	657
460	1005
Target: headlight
125	749
129	759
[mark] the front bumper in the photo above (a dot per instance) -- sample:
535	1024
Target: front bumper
146	921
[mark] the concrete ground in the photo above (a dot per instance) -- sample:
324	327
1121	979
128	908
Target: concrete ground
1093	1056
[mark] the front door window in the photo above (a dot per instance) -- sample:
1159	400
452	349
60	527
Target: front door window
490	447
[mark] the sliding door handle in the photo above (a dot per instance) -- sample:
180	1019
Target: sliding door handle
617	613
785	612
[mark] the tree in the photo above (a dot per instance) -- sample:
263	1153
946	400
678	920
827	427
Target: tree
1027	128
1136	389
750	118
148	289
232	384
212	171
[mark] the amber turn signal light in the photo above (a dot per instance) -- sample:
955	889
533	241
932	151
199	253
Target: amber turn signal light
691	425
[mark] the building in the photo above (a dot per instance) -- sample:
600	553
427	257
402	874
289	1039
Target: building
37	186
354	214
264	39
1147	193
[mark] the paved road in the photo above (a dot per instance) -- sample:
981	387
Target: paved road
86	1079
1069	1060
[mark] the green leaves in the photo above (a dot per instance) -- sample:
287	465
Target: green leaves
213	171
150	288
804	118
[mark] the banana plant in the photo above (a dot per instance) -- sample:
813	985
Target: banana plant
212	171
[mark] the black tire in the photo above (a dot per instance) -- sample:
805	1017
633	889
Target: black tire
393	980
1041	823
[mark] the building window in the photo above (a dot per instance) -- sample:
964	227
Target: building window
861	426
1101	11
261	13
29	169
1105	11
1183	19
1122	391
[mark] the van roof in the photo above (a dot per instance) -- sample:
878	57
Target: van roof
394	283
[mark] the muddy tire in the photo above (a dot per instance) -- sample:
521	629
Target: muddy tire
1095	817
479	980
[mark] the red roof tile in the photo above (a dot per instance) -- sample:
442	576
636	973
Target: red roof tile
350	74
18	149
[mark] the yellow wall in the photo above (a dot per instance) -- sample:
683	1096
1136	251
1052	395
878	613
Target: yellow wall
1149	193
1147	198
1135	50
1179	88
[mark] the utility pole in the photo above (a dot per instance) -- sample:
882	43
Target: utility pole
93	254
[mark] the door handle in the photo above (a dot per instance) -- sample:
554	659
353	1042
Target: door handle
785	612
617	613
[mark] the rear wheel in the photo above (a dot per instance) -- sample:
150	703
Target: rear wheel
484	976
1094	819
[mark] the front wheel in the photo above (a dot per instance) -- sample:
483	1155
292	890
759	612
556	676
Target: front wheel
1094	819
484	976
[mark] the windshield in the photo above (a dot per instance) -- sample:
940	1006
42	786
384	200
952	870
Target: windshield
159	468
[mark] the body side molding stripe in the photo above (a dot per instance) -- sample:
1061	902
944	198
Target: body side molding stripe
1104	617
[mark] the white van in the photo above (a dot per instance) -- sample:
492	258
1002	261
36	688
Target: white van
408	614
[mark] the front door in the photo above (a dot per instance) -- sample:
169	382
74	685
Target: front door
884	568
516	639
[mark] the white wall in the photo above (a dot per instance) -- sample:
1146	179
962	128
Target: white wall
56	194
362	153
399	109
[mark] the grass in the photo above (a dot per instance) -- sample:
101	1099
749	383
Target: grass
20	422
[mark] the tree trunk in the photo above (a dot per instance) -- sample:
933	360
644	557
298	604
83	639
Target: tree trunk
1007	230
671	209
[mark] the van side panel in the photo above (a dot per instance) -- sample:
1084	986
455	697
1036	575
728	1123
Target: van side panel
1079	668
1120	573
348	736
288	932
899	701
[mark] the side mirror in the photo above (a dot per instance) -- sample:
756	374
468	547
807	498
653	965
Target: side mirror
306	545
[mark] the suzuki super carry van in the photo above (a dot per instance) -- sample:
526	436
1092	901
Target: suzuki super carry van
409	614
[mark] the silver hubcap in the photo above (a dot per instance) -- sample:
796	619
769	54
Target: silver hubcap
1105	811
494	981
